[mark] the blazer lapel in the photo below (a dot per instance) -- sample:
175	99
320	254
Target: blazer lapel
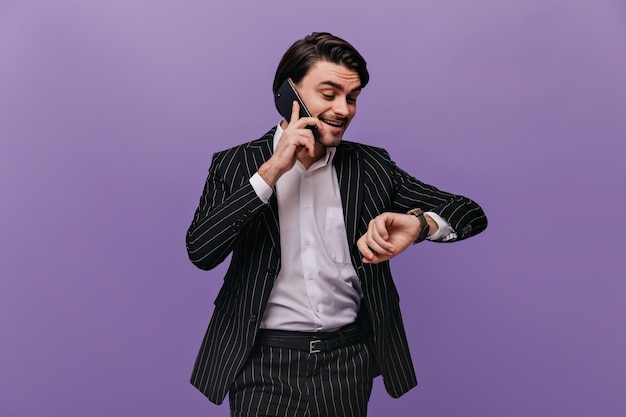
350	185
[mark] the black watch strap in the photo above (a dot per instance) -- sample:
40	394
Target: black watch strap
424	227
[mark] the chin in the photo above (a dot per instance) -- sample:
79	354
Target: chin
331	140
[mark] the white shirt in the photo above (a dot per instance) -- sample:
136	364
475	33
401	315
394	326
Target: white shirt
317	288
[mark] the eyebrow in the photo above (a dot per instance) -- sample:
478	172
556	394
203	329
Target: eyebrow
338	86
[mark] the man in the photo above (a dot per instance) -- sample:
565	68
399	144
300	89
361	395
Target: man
308	313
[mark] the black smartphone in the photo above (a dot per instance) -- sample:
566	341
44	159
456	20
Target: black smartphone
284	98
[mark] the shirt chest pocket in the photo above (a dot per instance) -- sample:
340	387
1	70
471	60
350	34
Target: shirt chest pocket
335	235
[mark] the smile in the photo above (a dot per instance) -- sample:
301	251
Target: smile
333	123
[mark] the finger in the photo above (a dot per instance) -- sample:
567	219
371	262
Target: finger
376	259
311	121
380	224
306	140
370	255
302	149
365	250
373	249
295	112
378	236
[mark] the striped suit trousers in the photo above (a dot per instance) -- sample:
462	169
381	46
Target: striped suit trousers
286	382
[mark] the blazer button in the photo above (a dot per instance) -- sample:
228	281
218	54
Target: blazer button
252	317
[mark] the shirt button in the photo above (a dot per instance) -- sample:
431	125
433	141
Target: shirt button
306	207
307	242
311	276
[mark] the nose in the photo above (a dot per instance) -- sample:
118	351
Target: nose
340	107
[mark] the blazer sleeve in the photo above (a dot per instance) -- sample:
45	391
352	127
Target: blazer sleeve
464	215
227	205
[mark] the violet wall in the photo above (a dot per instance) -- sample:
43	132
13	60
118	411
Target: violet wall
110	112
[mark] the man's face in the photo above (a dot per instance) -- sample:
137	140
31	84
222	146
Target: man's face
330	91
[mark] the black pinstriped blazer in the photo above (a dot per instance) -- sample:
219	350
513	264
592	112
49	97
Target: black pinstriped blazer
232	219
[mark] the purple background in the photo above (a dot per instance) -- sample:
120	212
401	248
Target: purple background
110	112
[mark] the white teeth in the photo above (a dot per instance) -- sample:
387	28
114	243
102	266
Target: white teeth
336	124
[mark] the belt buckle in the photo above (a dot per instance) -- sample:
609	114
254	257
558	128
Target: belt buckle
312	346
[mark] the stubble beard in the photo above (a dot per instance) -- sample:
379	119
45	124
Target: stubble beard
332	140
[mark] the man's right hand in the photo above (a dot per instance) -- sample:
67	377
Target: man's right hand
296	143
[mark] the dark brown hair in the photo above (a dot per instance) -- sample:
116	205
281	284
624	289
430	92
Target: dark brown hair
318	46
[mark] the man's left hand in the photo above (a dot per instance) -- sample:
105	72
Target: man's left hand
388	235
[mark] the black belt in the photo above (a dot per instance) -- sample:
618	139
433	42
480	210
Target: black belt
314	342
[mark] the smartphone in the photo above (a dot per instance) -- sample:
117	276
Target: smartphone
284	98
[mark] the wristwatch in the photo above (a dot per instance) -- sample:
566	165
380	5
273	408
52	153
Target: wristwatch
424	226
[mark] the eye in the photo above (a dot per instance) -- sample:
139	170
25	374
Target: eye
351	100
328	96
